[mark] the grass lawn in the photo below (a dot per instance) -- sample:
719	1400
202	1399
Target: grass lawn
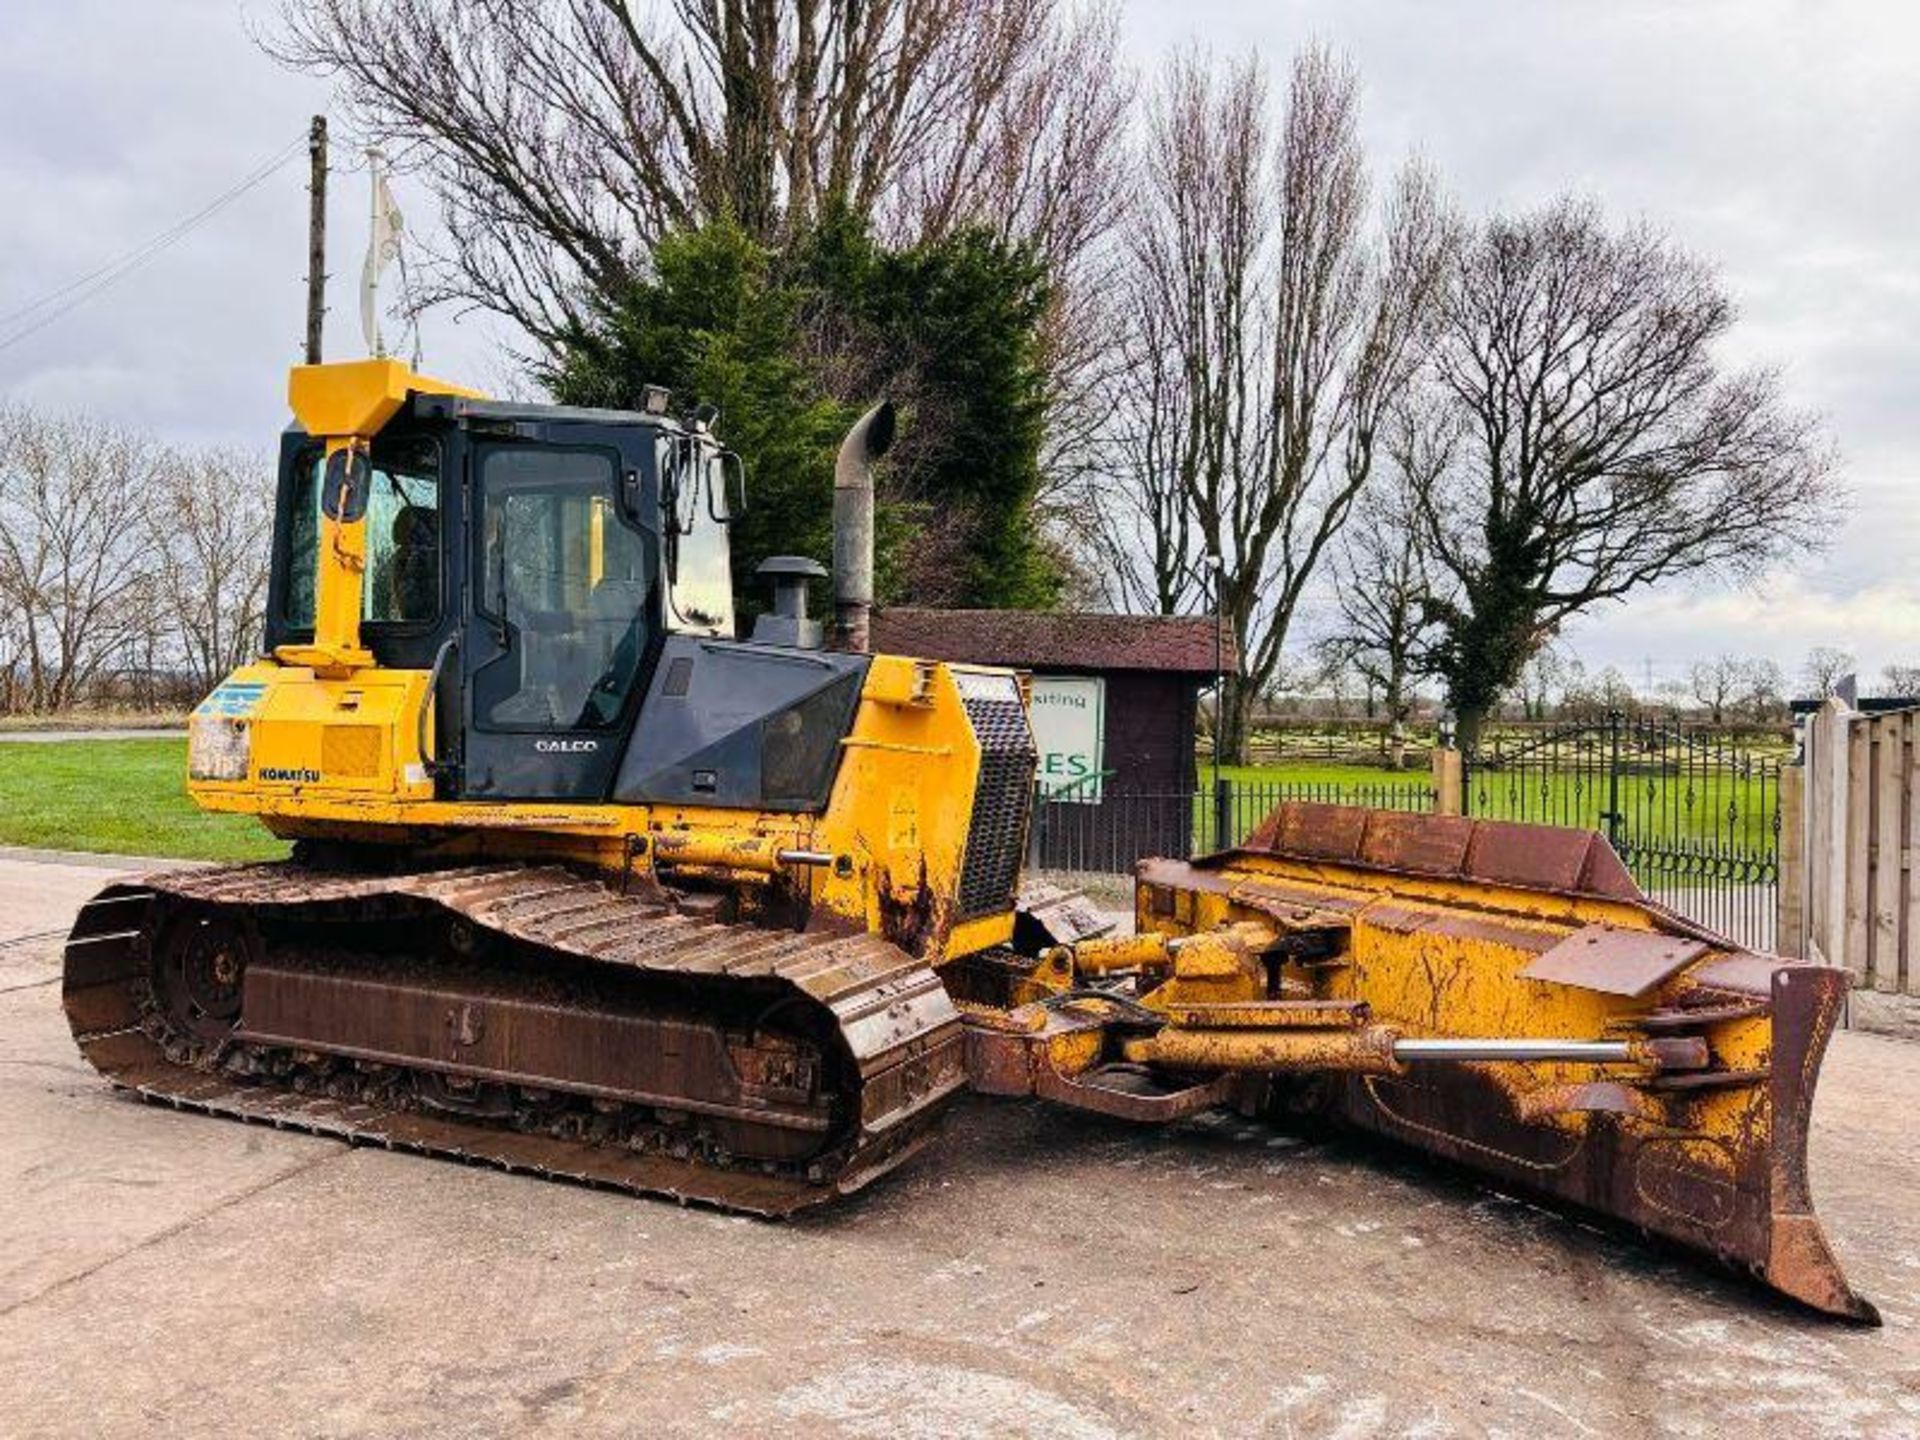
125	797
129	797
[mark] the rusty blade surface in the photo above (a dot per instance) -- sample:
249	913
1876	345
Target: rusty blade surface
1493	852
1743	1198
1712	1156
1614	960
886	1014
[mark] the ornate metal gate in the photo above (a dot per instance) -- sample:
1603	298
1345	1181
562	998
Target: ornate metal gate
1696	820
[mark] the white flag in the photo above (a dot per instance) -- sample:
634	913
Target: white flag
383	247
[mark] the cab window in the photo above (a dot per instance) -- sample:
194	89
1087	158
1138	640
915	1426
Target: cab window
402	584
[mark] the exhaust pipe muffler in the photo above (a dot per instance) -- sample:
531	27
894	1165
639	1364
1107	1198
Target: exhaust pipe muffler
853	510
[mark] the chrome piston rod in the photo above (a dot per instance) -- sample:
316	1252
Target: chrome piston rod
1600	1052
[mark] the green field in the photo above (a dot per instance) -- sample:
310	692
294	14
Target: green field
1719	807
129	797
124	797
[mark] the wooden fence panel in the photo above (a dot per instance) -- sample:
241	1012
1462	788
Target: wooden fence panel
1856	834
1853	894
1910	853
1886	898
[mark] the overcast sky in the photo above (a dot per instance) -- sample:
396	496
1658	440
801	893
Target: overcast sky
1780	137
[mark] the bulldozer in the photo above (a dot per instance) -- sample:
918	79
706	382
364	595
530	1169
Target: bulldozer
582	885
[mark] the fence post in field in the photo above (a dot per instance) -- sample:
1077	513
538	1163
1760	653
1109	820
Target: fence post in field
1223	835
1789	931
1835	837
1447	781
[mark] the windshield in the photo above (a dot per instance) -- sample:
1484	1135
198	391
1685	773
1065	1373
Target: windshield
403	536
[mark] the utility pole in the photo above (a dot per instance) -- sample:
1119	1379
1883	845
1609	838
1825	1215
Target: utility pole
316	236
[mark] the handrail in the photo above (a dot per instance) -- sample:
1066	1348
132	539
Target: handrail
430	701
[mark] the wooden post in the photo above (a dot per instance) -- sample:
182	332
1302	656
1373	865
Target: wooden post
1857	838
1887	847
1828	827
1790	920
316	236
1910	855
1448	788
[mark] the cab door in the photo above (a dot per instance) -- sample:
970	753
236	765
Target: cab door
564	611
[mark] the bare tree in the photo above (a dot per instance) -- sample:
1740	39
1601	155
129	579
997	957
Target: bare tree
1598	696
1901	680
1382	581
209	536
1270	336
1762	697
13	661
1719	683
1604	447
564	137
1824	668
1728	684
1550	672
71	554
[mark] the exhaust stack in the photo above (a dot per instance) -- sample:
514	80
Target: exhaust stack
866	442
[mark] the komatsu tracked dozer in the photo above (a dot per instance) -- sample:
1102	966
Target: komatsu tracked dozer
585	886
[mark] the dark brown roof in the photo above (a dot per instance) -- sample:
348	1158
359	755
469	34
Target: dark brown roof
1053	640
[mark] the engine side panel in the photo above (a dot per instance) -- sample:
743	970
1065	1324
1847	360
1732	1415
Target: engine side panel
741	726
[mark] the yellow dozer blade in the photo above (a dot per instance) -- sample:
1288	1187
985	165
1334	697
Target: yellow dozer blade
1478	929
1500	995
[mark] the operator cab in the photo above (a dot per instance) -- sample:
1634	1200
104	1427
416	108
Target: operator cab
536	559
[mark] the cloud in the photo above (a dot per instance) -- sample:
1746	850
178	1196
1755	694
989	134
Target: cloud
116	121
1769	135
1773	135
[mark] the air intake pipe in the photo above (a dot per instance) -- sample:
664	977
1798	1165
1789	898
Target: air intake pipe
866	442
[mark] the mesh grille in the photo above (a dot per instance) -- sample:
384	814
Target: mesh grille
350	752
991	872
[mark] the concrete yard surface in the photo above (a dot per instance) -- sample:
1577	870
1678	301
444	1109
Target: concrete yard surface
1038	1273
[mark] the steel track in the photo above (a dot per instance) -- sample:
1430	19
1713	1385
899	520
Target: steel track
901	1061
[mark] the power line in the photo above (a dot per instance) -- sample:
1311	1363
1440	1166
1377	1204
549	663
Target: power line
160	241
77	292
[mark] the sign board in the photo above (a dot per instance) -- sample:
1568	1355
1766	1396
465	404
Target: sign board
1069	728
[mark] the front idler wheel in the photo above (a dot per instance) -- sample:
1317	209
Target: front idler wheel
199	964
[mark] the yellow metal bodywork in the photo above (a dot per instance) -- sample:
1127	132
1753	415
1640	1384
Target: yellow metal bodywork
1437	957
322	743
1501	996
1693	1123
336	757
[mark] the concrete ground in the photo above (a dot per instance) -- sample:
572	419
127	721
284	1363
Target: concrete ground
1040	1273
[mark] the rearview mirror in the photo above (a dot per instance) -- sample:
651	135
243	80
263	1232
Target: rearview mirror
727	488
343	491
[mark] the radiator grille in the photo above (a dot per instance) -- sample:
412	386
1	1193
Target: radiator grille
350	752
990	874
